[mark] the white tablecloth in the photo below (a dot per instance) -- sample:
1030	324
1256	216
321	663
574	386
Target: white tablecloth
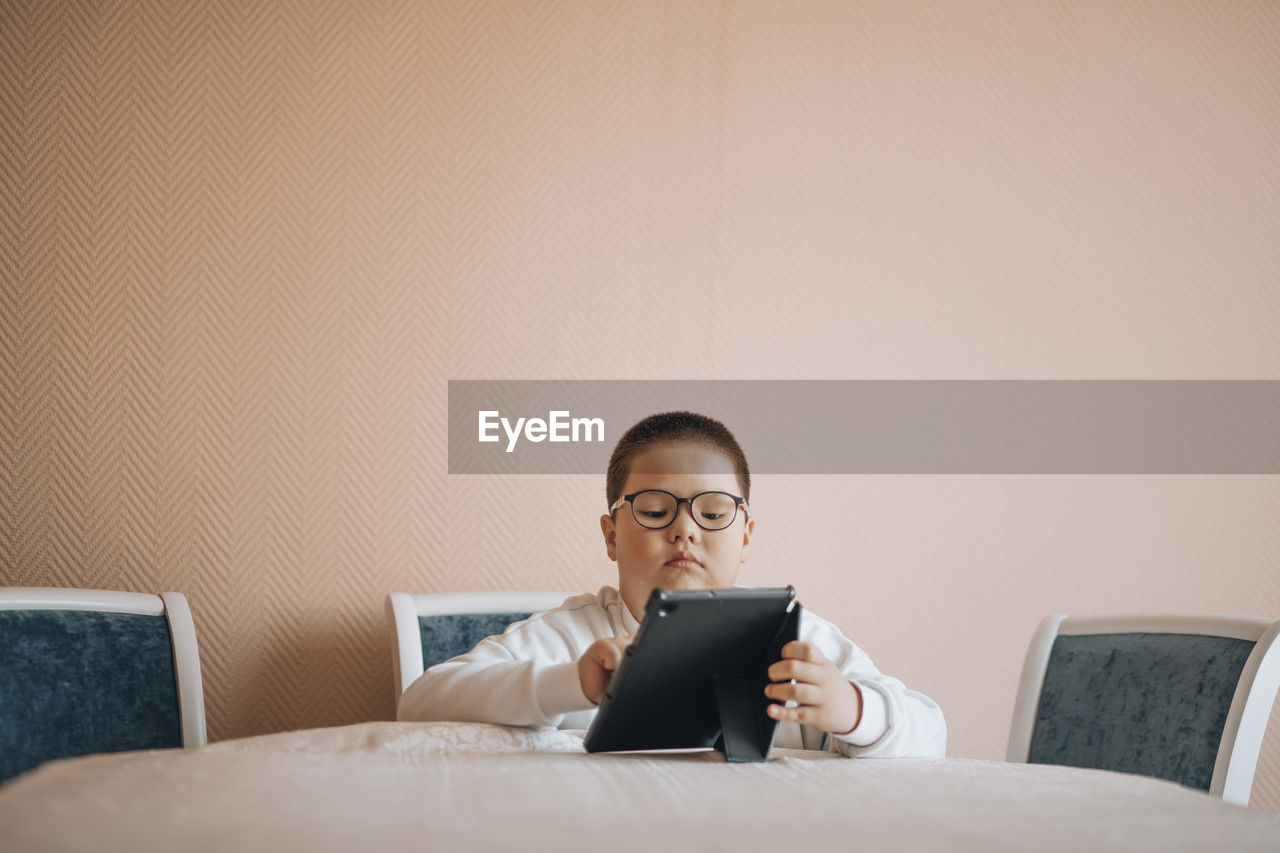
469	786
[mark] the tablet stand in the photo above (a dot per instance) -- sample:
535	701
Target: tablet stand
746	731
740	736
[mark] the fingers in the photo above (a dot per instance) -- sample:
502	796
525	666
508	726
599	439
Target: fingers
804	714
617	646
801	661
608	654
805	694
799	670
797	650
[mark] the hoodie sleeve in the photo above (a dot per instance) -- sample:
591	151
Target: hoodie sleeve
527	676
896	722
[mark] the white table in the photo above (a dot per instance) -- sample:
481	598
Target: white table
468	786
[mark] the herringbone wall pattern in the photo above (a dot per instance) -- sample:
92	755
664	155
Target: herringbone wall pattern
243	246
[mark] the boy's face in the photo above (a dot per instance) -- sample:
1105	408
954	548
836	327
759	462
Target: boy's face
647	558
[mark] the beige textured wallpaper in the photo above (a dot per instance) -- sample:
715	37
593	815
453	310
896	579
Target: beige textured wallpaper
243	247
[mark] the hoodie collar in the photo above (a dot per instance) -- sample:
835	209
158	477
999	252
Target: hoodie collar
628	621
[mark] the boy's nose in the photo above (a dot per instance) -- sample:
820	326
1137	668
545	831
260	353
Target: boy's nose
684	525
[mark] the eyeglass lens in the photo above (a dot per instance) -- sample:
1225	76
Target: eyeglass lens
711	510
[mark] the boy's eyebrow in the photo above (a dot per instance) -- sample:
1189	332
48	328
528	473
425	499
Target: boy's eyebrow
668	491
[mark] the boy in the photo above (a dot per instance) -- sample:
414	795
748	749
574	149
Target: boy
677	490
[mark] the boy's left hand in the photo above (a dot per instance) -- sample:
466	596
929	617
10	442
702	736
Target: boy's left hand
828	701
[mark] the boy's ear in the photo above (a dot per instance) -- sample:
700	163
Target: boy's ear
610	537
748	530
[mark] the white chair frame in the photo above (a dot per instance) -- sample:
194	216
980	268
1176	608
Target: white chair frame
403	610
1250	706
182	636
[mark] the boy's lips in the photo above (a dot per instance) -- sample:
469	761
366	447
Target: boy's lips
684	560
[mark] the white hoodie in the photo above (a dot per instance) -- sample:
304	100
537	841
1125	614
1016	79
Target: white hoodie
528	676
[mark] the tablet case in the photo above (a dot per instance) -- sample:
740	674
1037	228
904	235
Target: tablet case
695	674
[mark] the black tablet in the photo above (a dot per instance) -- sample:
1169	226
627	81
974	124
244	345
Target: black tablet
695	674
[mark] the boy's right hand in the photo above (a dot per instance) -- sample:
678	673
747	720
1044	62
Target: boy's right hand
597	664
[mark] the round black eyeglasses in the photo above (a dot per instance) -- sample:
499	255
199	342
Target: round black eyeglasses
655	509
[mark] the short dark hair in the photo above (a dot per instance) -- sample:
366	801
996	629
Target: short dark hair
671	427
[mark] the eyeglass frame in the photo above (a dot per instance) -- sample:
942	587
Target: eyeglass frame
737	502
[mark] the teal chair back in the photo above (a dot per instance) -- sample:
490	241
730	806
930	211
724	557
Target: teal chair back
447	635
427	629
1160	695
89	671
